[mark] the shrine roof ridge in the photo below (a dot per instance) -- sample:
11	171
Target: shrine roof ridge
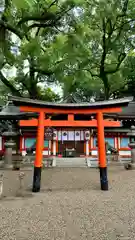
20	101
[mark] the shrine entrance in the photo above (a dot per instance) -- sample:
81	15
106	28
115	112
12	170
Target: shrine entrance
78	146
44	109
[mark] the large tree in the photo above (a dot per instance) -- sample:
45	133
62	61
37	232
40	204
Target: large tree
128	75
82	44
28	31
99	42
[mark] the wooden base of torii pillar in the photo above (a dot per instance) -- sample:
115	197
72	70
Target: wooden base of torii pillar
98	108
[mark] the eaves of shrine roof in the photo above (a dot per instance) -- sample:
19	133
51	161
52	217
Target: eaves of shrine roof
128	112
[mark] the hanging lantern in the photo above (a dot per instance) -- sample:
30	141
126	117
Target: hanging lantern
87	135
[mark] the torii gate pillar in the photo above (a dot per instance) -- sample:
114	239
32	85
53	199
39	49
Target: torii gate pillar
102	152
39	153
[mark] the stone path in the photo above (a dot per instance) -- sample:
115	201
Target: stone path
70	206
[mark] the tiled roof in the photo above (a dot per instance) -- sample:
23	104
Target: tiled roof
71	98
127	112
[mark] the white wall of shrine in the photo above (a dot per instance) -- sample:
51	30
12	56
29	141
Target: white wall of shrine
60	135
120	142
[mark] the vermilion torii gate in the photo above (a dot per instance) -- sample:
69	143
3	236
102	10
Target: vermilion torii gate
43	108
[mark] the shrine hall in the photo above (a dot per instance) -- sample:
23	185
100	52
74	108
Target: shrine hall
80	135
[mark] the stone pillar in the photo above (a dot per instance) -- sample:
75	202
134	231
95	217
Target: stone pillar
8	154
87	147
131	134
54	154
54	147
132	146
1	185
54	161
87	139
10	134
21	190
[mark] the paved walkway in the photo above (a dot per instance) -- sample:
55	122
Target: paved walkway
70	206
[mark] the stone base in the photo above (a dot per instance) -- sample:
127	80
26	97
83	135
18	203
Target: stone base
129	166
23	193
16	168
54	162
8	166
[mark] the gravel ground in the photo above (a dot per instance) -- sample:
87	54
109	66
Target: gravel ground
70	206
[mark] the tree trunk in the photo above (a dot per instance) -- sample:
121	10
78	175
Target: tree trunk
106	86
106	89
33	89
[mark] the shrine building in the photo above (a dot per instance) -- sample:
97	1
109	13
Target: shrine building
76	130
68	129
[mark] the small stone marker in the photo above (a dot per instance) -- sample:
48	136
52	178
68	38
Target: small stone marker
20	191
1	185
131	134
21	177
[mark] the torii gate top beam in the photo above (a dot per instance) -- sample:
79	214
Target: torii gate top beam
31	105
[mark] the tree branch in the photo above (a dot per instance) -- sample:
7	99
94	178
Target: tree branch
9	85
41	25
124	10
53	3
44	72
45	16
11	28
92	74
124	23
120	60
24	85
124	14
125	7
41	18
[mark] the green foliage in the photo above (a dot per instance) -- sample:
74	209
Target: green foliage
49	95
100	41
23	4
83	45
128	72
31	42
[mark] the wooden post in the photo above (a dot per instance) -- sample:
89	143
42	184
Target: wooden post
39	153
102	152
